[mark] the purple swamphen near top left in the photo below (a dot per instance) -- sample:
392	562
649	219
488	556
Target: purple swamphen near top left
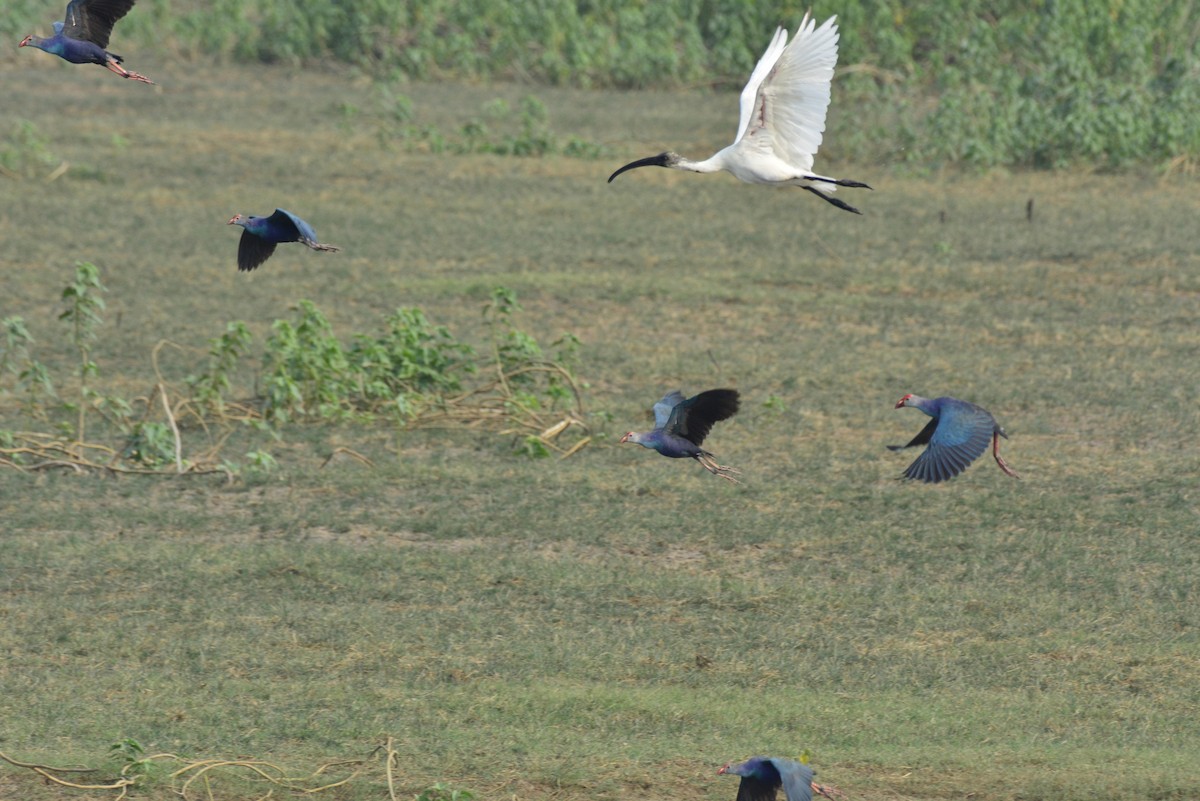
680	427
763	776
262	234
83	35
957	435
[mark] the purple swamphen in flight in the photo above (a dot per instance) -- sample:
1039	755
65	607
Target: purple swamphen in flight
957	435
262	234
680	427
763	776
83	35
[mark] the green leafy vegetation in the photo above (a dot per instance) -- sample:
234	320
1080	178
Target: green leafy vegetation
413	373
1045	84
419	374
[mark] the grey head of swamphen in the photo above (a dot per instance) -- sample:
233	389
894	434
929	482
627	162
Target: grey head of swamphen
262	234
82	36
763	776
680	426
957	435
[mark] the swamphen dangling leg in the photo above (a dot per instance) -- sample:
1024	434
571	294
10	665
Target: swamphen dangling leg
115	66
996	452
709	463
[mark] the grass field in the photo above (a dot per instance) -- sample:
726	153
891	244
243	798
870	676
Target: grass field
615	625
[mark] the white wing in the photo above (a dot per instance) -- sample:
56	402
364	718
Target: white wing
790	104
662	409
761	69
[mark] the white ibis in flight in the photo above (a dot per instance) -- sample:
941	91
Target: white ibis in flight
782	118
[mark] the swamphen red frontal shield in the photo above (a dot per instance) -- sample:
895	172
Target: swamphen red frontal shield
957	435
83	35
763	776
262	234
680	427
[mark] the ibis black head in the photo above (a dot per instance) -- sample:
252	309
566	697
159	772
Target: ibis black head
667	159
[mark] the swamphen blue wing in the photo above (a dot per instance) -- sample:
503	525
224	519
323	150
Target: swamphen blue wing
763	776
693	418
957	435
93	20
262	234
662	409
291	227
253	250
682	424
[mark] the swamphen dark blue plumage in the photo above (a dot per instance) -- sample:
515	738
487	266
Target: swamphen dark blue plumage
763	776
680	427
957	435
83	35
262	234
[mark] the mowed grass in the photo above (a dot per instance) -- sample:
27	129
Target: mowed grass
615	625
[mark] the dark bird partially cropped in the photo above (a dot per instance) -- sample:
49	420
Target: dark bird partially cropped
957	435
763	776
262	234
680	427
83	35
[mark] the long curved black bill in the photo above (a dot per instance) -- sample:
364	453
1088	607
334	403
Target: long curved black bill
653	161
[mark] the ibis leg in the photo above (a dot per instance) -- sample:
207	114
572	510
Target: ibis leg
838	181
841	204
996	452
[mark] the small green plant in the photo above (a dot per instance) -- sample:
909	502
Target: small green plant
410	359
444	792
150	444
132	757
775	403
261	461
210	387
305	369
32	377
84	305
516	351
